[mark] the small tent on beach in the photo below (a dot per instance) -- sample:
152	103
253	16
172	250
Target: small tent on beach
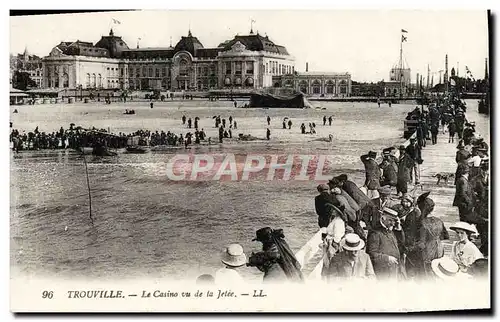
277	97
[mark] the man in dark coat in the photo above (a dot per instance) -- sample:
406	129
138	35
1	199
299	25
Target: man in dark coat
321	202
389	167
481	213
405	164
461	157
372	172
415	153
351	188
464	196
383	246
371	216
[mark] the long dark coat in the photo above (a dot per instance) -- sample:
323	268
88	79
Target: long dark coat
372	172
381	244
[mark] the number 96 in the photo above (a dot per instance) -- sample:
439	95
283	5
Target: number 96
47	294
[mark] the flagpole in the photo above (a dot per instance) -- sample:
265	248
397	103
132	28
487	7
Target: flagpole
401	67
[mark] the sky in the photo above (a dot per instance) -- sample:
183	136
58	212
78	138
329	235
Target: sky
363	43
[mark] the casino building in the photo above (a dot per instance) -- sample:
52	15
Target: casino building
245	62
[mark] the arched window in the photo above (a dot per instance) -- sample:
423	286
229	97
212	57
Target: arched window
93	80
343	87
65	80
56	80
316	87
288	83
227	81
330	86
249	82
87	81
237	81
99	80
303	86
183	67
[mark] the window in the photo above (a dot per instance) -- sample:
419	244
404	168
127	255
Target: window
238	68
99	81
205	71
138	72
329	87
267	68
249	67
150	74
144	71
65	80
316	87
228	68
164	72
157	72
93	80
121	72
183	68
303	86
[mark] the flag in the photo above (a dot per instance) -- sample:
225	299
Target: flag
116	21
402	30
403	38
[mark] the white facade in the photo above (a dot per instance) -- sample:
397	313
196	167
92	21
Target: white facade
62	71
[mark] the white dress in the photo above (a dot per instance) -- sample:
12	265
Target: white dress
464	254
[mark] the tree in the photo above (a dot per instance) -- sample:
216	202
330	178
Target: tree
22	80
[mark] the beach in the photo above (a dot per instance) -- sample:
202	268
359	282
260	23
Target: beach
147	225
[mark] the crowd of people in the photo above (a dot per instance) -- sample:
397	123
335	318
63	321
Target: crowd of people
375	232
380	230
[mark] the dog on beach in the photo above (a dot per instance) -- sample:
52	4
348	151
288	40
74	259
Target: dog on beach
443	176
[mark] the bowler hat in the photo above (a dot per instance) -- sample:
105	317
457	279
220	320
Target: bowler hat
263	234
353	242
388	150
323	187
342	177
234	256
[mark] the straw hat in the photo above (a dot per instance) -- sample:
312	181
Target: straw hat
353	242
234	256
464	226
446	268
390	212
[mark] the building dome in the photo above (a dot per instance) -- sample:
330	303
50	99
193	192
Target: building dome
190	44
115	45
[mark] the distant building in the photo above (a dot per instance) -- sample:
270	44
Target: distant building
30	64
399	83
317	83
244	62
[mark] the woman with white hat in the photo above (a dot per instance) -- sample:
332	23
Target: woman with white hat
464	252
232	257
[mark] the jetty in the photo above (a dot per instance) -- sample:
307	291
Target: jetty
438	158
